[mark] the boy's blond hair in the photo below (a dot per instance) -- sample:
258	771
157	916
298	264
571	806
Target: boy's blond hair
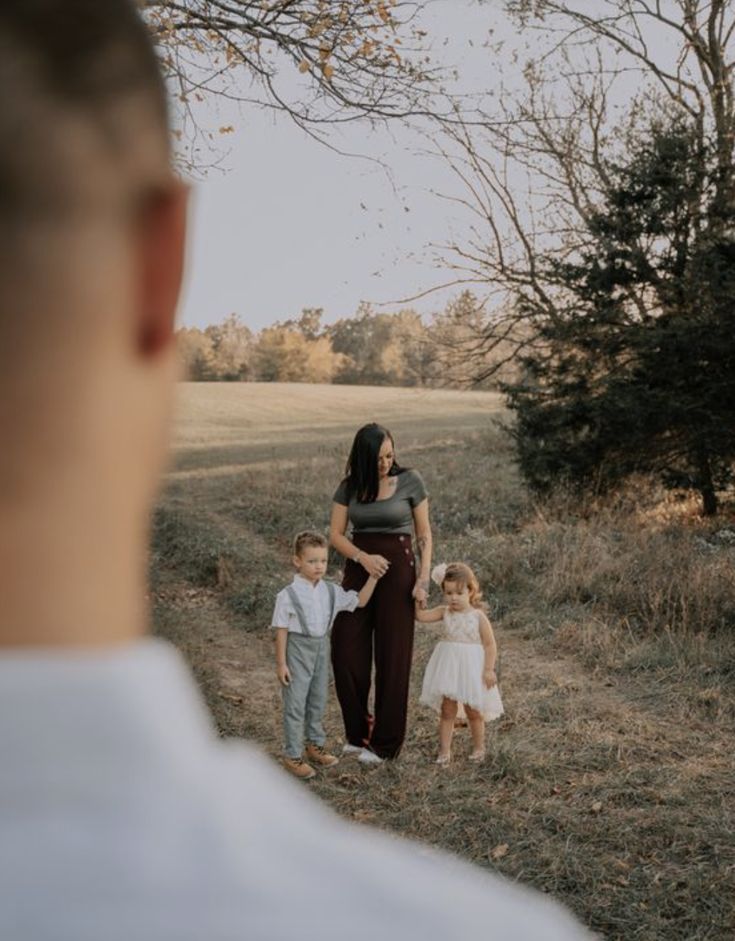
308	539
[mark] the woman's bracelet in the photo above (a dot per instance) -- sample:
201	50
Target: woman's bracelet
423	583
356	556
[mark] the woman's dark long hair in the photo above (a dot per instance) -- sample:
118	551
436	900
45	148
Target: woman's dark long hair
361	471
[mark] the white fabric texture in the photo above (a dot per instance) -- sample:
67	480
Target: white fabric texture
316	604
455	668
123	817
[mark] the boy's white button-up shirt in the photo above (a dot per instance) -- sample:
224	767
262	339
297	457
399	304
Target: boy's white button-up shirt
316	605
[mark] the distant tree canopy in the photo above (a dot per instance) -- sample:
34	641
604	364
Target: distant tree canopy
369	348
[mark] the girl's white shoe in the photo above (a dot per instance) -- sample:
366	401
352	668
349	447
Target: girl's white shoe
477	755
443	759
349	749
367	757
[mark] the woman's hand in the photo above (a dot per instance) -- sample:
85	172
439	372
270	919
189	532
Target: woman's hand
490	678
284	674
375	565
420	592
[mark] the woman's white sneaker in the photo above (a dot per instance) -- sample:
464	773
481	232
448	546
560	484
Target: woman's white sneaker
349	749
367	757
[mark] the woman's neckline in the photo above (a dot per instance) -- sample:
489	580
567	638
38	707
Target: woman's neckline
395	491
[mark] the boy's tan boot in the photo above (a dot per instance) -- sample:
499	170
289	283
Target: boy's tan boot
320	756
299	768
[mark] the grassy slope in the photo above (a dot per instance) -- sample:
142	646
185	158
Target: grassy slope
609	783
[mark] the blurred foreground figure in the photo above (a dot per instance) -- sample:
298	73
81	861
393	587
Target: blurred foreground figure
122	816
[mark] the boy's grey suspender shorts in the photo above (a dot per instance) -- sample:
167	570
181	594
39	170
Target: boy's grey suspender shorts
305	698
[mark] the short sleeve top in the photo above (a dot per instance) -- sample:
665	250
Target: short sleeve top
392	515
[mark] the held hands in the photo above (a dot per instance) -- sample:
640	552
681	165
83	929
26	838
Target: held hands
375	565
420	593
489	678
284	674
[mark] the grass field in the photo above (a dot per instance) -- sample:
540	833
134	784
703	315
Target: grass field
609	783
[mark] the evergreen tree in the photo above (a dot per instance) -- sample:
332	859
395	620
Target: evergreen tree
635	370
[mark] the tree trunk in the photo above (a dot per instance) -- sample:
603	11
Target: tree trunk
706	485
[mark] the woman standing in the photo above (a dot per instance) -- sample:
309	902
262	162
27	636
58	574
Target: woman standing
383	504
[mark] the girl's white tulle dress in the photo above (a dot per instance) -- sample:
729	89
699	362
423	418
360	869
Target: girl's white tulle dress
456	666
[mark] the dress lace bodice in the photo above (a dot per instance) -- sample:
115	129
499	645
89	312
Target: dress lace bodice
462	627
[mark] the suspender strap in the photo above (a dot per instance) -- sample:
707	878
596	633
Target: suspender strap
299	609
332	601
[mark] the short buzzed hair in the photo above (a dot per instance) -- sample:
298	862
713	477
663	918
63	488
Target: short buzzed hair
308	540
83	136
76	61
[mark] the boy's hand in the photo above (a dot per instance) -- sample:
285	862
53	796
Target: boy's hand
284	674
490	678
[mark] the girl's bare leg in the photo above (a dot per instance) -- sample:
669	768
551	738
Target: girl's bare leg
477	730
446	727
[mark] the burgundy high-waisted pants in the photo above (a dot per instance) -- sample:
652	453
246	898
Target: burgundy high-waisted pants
383	630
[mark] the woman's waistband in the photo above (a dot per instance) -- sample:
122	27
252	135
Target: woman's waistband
382	542
393	546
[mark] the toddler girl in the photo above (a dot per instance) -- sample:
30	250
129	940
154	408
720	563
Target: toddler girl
462	666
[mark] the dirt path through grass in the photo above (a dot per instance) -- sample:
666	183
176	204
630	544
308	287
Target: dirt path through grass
587	793
611	787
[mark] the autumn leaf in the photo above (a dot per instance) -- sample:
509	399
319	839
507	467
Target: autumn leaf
327	71
497	852
304	66
227	129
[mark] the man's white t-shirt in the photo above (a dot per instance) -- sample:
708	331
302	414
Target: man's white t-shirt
123	817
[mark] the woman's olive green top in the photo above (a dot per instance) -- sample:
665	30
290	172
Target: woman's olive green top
392	515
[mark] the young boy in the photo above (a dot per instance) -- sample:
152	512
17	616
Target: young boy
302	618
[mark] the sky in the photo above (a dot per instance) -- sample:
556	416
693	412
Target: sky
285	223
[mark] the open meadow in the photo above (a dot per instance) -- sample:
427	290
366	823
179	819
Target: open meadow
610	782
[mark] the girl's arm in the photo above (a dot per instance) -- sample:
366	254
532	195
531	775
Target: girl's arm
375	565
425	615
422	527
491	651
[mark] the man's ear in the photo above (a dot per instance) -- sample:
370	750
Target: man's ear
162	243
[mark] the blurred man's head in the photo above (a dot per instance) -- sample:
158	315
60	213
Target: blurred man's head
91	234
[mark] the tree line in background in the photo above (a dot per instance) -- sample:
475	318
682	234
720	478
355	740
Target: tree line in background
601	194
369	348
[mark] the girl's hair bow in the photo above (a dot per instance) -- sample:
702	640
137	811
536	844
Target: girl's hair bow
438	573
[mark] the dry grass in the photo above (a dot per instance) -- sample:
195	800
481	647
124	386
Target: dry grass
610	780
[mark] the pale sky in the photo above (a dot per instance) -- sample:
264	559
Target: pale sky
290	224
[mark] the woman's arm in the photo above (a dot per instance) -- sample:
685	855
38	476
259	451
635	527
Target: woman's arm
426	615
422	527
491	651
374	565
